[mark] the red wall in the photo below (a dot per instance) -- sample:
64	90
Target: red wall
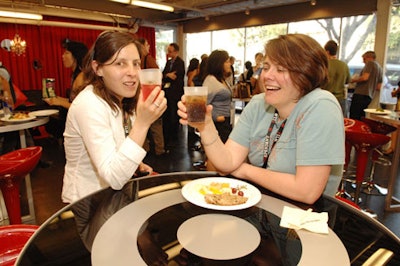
44	45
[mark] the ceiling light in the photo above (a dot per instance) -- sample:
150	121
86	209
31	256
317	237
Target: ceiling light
152	5
11	14
313	2
18	45
247	11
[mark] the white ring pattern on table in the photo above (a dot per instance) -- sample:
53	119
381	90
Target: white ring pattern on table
123	227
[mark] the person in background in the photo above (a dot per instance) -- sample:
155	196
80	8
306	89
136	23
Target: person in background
339	75
193	138
72	58
6	83
219	93
156	129
396	93
173	82
107	122
8	140
258	57
247	74
368	84
193	73
231	75
289	139
394	135
203	69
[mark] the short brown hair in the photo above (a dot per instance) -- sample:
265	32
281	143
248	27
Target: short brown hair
303	57
331	46
370	54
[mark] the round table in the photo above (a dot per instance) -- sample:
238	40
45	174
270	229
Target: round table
21	126
107	228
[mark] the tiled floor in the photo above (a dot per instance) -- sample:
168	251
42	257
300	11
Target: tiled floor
47	182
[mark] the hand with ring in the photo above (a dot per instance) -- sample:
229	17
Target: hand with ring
149	110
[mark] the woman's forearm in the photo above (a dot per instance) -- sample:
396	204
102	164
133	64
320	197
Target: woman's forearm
297	187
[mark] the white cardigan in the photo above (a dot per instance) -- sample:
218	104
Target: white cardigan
97	152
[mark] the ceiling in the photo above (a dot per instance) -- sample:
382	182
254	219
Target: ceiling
104	9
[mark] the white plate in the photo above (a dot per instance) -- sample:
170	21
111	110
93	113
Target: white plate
191	192
31	117
204	235
44	112
375	112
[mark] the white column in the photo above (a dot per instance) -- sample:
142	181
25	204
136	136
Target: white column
383	16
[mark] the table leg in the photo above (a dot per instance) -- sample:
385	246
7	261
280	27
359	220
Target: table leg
30	218
392	203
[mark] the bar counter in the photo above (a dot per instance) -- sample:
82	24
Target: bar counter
391	202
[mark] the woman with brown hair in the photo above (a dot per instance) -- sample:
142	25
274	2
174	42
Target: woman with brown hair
289	139
108	121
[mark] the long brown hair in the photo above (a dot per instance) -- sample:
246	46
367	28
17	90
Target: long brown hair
108	44
303	57
215	64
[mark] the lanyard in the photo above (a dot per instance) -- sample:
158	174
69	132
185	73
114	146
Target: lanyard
267	150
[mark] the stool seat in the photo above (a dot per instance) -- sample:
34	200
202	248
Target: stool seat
12	239
356	125
366	140
14	166
363	142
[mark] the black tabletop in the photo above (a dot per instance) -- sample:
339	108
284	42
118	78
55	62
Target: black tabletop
69	236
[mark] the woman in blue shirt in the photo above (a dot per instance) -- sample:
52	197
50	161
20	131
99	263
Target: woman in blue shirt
289	139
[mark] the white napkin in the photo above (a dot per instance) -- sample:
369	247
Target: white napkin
301	219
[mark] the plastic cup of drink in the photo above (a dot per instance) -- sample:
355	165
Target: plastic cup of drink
196	102
149	79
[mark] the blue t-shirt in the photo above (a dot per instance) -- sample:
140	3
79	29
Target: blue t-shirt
313	135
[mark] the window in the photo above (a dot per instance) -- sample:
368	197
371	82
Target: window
354	34
163	38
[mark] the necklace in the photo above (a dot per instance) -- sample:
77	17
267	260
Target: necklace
126	123
267	150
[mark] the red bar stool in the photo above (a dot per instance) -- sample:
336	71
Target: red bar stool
377	156
353	125
364	143
12	240
356	126
14	166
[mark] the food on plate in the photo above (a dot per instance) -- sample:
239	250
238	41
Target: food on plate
225	199
380	110
19	116
223	194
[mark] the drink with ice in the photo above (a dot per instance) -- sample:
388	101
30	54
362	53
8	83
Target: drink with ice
196	102
149	79
196	108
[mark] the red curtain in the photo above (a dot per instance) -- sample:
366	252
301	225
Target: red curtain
44	47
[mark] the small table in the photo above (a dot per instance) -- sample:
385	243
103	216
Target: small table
391	202
20	127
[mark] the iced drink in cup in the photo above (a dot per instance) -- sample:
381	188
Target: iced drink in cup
149	79
196	101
